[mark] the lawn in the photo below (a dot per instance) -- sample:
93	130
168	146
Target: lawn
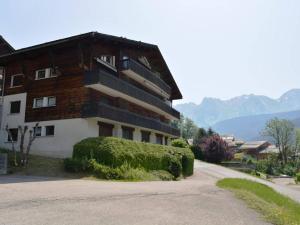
44	166
276	208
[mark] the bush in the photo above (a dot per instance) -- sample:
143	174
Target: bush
180	143
76	165
298	178
125	172
175	167
113	152
215	149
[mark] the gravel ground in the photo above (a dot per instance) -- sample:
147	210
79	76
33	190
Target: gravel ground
196	200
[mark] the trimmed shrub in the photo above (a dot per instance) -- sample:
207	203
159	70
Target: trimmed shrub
76	165
298	177
175	167
180	143
113	152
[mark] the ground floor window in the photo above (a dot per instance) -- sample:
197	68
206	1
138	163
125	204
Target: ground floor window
166	141
145	136
159	139
50	130
13	135
127	132
105	129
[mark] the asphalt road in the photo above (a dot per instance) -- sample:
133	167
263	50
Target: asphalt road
196	200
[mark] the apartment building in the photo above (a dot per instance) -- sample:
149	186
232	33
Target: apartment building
87	85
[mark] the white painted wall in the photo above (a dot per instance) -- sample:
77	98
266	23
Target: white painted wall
67	132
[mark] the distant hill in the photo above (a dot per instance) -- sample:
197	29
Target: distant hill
212	110
249	127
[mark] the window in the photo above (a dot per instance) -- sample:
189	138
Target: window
37	131
15	107
145	136
51	101
44	102
127	132
166	140
38	103
44	73
16	80
14	135
109	59
50	130
159	139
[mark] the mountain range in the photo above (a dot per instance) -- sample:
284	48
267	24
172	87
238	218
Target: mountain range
243	116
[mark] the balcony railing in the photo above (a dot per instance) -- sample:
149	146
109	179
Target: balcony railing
123	116
113	82
130	64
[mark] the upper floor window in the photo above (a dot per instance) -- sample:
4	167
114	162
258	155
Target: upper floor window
16	80
44	102
15	107
44	73
109	59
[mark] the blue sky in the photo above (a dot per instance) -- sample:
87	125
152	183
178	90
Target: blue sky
214	48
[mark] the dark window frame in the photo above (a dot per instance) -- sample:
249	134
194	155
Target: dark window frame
12	80
52	130
127	132
145	136
14	133
17	108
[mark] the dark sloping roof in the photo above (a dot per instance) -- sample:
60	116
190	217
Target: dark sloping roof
5	47
176	93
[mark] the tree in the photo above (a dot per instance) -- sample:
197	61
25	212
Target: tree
200	135
282	132
210	132
23	154
188	129
215	149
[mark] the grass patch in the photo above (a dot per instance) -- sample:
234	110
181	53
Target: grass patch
275	207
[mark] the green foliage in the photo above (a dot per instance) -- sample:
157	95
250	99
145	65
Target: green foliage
198	153
273	167
282	132
298	177
175	167
277	208
76	165
180	143
126	172
114	152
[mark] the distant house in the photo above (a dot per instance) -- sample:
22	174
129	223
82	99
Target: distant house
254	147
232	143
270	150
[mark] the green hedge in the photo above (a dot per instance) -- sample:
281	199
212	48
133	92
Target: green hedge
114	152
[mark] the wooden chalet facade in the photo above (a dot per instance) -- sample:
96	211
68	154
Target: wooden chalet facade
85	86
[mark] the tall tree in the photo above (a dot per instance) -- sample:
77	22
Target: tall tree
282	132
200	135
189	129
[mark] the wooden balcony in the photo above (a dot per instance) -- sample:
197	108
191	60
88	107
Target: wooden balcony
105	111
143	75
102	80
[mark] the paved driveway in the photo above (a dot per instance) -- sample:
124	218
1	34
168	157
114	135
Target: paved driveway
196	200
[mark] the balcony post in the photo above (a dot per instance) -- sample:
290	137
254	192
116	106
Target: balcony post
137	135
117	131
152	138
